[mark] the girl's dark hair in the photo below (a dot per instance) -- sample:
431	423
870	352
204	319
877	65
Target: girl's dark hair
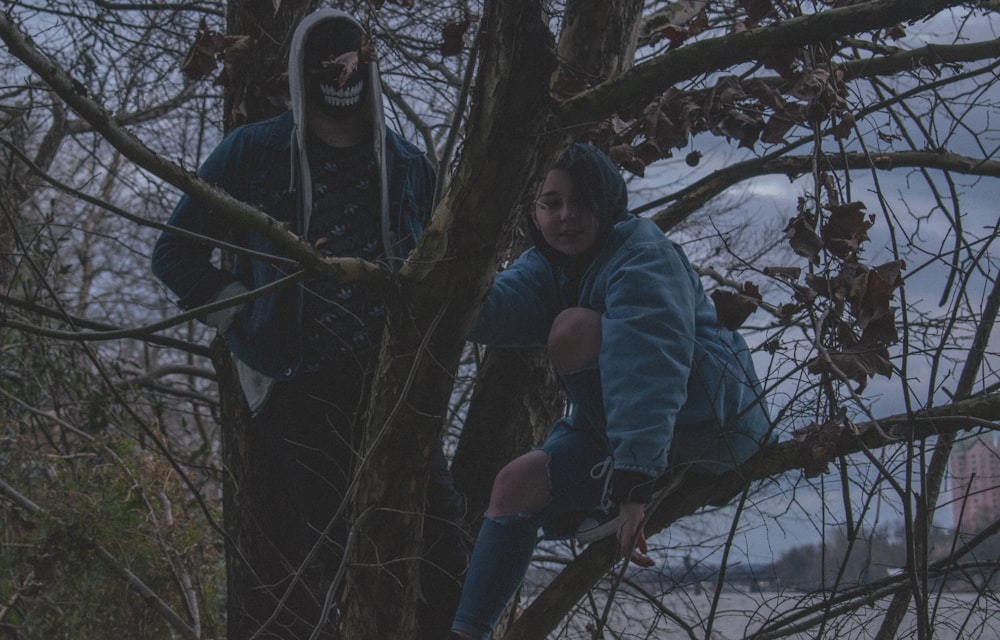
596	184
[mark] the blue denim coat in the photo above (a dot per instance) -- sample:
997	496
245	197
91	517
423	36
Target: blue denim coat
676	386
254	163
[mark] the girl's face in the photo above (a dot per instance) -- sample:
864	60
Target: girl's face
569	227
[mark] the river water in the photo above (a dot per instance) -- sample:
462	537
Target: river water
689	613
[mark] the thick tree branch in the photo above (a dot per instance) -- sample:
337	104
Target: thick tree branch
644	82
552	605
931	56
692	198
106	124
447	274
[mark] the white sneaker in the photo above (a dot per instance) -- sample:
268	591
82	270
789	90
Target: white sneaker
598	526
603	524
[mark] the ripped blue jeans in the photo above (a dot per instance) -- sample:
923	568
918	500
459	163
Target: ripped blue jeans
579	468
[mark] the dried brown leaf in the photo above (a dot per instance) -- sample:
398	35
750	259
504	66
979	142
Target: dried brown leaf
209	48
765	93
624	156
455	37
896	32
648	153
740	125
875	315
857	364
845	127
847	285
809	85
346	62
200	59
775	129
846	228
818	444
803	240
732	308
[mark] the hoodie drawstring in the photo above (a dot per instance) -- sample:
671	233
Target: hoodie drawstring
600	470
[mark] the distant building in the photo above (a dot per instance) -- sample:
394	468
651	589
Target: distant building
975	483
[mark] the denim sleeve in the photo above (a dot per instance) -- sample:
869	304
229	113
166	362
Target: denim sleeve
520	306
648	337
184	263
414	180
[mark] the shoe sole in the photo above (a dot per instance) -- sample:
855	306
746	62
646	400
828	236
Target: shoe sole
599	532
610	528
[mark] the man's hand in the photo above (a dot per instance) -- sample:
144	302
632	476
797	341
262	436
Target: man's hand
631	539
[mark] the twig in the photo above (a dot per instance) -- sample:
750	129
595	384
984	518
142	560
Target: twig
147	594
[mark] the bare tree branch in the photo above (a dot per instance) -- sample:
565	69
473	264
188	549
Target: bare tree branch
644	81
692	198
549	608
222	203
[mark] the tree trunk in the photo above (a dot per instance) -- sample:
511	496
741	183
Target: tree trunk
451	269
246	93
598	41
516	400
251	516
237	498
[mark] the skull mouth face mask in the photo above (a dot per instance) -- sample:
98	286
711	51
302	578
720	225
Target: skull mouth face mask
335	76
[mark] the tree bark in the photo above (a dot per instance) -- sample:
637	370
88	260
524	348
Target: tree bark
451	269
516	400
237	498
271	26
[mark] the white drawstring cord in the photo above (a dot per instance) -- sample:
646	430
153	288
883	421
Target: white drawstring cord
603	470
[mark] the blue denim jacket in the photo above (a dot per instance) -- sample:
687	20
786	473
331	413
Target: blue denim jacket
676	386
255	164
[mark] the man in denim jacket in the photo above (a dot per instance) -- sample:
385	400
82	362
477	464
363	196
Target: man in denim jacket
331	171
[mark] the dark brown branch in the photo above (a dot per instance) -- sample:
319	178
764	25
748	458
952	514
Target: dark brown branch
644	82
552	605
104	123
89	325
690	199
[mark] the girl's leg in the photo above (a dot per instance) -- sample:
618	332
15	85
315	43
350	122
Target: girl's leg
565	468
505	544
575	339
521	496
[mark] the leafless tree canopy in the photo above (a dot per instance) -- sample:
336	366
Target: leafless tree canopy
831	166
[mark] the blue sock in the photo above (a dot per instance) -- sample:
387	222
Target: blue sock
499	561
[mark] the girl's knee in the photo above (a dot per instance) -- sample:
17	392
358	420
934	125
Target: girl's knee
574	339
522	486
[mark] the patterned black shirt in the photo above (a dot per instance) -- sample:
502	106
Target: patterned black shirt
343	320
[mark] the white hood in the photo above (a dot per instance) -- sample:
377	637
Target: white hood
375	115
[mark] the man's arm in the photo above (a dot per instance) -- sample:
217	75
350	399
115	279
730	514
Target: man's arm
184	263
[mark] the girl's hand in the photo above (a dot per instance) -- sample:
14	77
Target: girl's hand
631	539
